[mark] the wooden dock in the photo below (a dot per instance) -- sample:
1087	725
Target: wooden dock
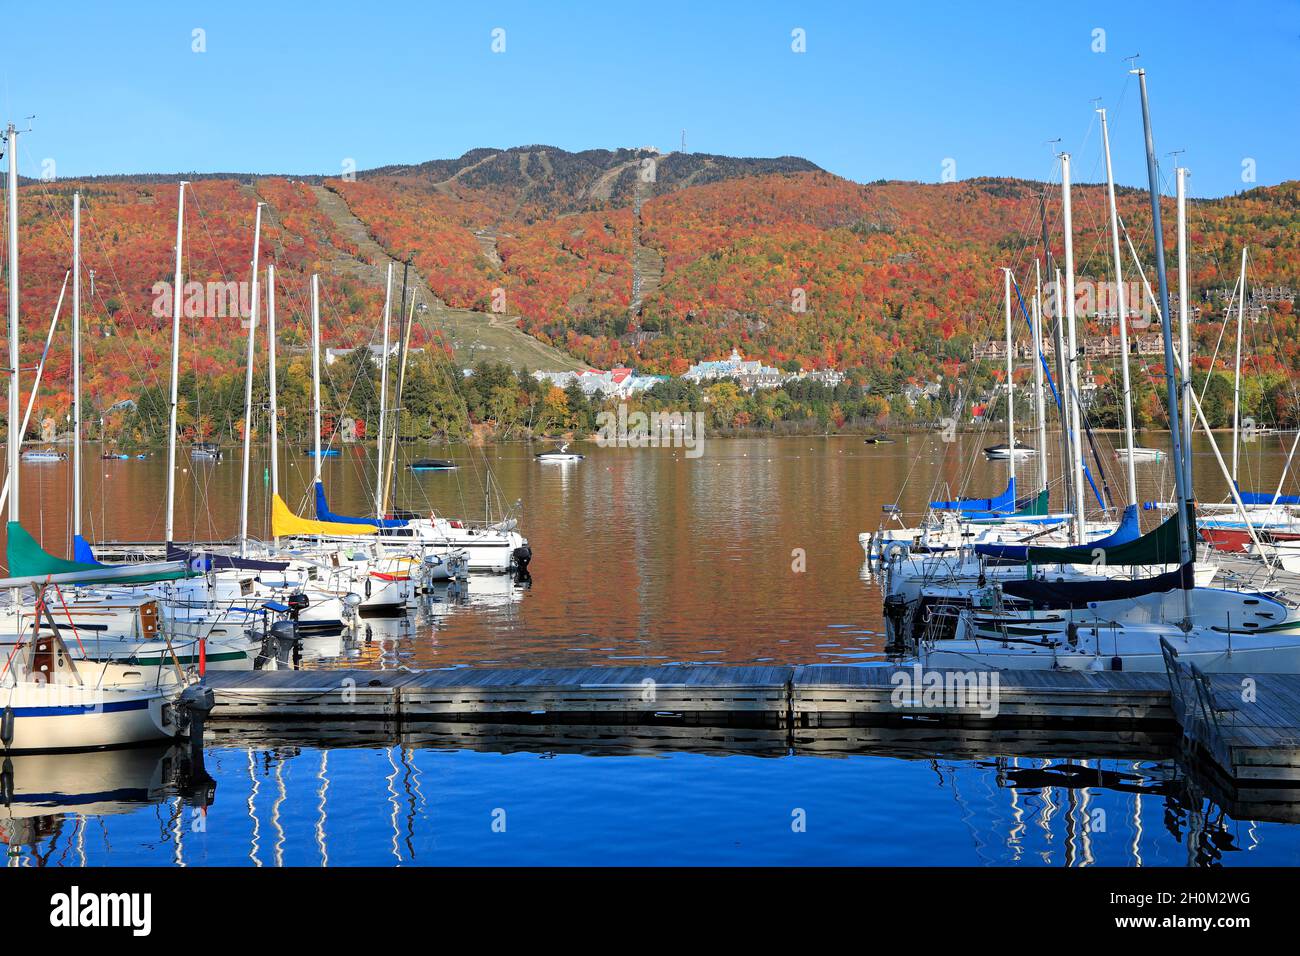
1248	733
805	696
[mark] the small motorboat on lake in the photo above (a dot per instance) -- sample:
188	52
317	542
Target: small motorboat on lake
1004	452
1140	454
560	454
205	451
433	464
45	454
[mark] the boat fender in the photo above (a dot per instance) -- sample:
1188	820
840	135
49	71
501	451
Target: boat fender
367	587
1117	663
7	783
7	726
1072	634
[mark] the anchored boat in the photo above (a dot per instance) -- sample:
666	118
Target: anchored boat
560	454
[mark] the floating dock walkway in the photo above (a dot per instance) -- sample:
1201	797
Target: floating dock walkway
1246	729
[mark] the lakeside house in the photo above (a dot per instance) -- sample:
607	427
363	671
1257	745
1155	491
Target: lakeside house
914	393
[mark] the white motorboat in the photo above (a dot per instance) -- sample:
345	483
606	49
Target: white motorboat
1003	452
1140	454
560	454
47	454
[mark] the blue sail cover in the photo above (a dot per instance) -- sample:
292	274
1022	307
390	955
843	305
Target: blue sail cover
1128	530
82	552
1259	498
1002	503
323	513
206	561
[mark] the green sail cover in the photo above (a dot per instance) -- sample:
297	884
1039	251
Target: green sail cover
1036	509
1157	546
29	559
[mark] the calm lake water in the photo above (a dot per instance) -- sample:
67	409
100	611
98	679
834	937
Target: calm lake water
747	553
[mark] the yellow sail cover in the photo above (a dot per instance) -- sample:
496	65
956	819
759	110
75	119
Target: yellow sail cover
286	524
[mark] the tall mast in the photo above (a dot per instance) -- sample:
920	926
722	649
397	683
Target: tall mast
383	398
315	374
1122	308
1236	381
1073	366
76	365
15	429
1011	393
1184	326
272	411
248	385
404	340
1058	345
170	529
1186	553
1039	402
404	352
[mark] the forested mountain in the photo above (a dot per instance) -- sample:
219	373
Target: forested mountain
627	257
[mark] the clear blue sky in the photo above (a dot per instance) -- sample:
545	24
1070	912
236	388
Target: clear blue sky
885	90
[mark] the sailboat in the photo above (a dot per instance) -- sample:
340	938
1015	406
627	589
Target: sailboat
443	548
45	701
957	523
1046	620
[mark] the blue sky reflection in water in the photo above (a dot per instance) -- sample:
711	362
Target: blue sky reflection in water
291	806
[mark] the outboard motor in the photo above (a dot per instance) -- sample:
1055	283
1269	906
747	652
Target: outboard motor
281	645
351	601
519	559
298	602
195	704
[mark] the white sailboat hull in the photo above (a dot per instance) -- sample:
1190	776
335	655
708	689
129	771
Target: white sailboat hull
48	717
1214	659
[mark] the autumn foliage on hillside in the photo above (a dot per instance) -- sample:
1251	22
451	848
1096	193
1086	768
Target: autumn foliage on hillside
128	242
796	267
